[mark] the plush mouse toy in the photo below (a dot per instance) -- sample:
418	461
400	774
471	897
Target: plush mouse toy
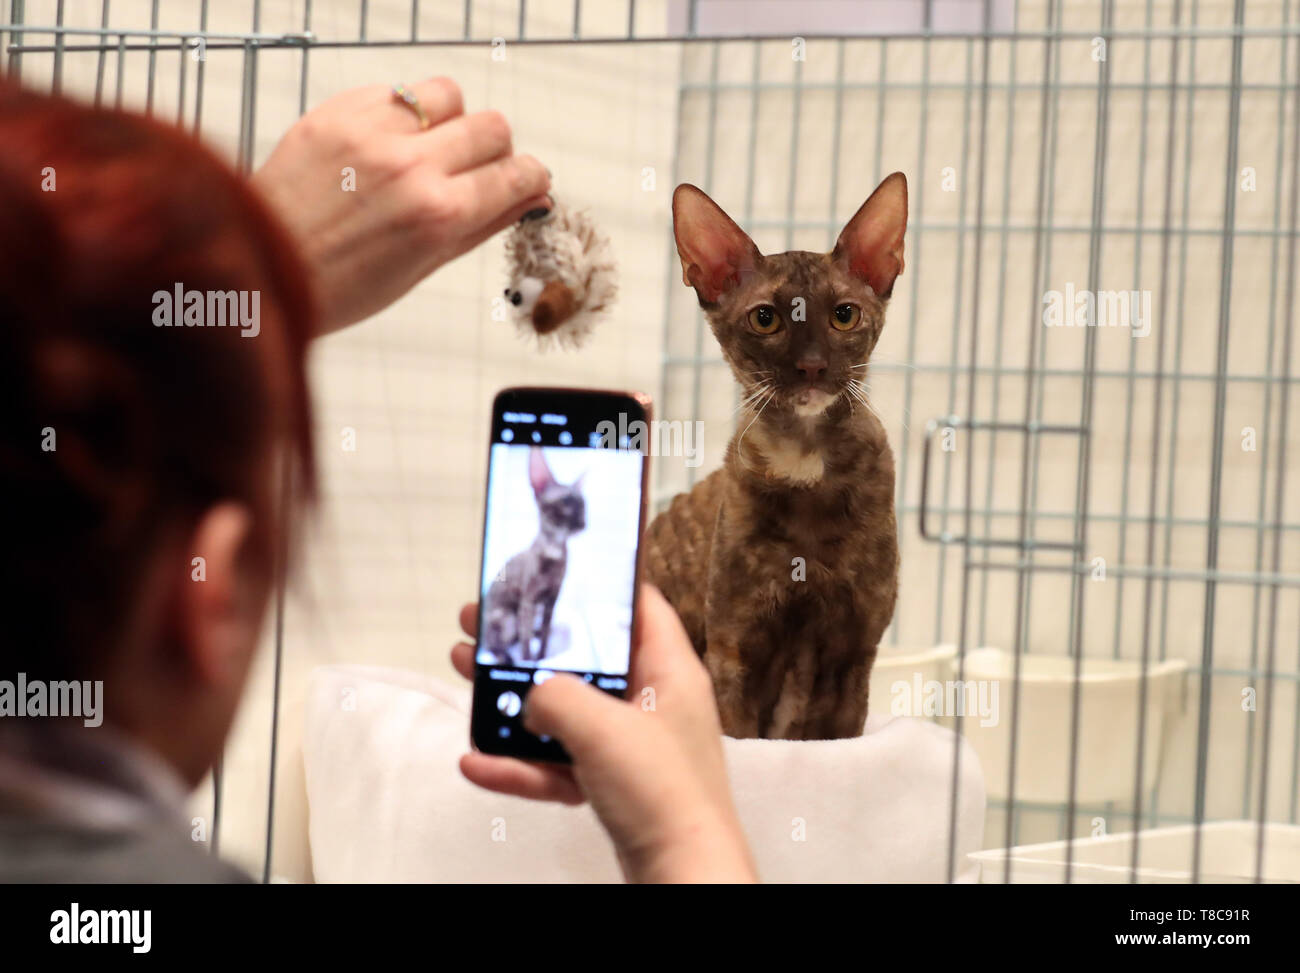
562	275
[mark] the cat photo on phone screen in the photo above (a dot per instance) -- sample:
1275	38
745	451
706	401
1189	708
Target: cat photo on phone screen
558	547
521	602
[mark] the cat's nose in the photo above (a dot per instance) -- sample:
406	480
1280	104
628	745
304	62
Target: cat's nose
812	368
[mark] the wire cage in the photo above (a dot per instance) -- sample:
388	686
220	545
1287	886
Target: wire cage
1087	371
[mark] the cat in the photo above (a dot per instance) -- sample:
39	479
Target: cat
521	599
783	563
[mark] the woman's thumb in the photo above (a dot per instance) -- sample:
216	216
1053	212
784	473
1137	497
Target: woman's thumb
577	714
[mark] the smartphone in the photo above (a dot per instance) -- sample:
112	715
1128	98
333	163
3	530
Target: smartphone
562	526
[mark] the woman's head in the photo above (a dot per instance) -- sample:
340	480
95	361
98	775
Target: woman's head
143	446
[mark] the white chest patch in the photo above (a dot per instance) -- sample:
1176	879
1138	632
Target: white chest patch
789	462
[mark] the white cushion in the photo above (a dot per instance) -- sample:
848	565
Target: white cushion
388	803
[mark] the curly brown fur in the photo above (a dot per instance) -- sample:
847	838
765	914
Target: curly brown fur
808	478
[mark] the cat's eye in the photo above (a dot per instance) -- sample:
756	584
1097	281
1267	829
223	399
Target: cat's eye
764	320
846	317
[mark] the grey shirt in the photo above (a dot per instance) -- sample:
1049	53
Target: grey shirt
81	804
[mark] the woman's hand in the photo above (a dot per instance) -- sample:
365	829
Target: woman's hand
652	767
377	205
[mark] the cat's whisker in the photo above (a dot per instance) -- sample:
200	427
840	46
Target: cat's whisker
849	399
766	403
897	362
753	397
865	390
860	391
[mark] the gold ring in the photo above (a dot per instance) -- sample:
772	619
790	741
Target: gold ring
410	101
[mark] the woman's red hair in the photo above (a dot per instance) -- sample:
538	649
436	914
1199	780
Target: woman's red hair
114	431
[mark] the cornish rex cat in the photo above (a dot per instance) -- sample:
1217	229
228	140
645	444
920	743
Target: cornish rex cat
522	598
783	564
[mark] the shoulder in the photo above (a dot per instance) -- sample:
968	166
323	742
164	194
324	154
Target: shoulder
37	851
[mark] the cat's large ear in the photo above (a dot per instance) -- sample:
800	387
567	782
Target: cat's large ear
714	250
872	242
539	474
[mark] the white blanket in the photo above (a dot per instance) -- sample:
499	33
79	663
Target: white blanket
388	803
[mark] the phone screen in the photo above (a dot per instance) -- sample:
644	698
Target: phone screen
562	524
